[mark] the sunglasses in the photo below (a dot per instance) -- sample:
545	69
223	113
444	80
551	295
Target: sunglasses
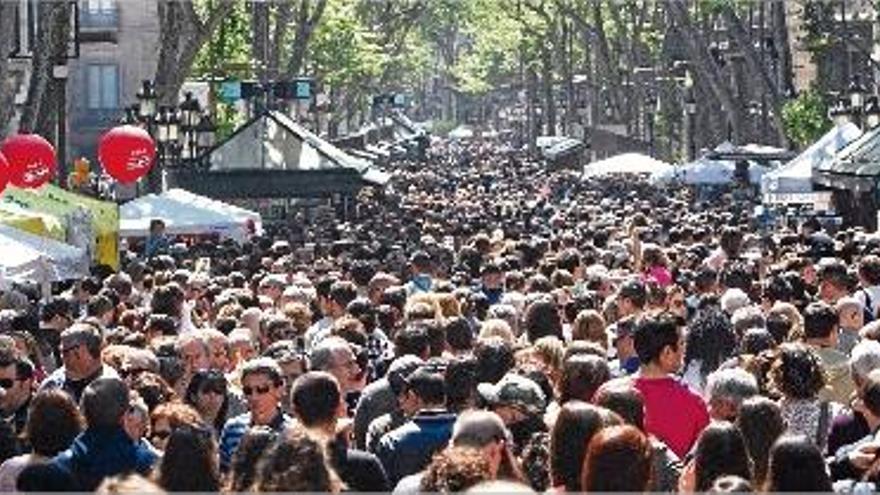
248	391
6	383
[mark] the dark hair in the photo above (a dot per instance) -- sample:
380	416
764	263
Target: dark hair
761	423
582	375
797	372
542	320
869	269
575	426
710	339
796	465
779	325
461	382
459	334
244	462
315	397
820	320
104	402
152	388
190	462
296	463
454	470
619	459
654	334
342	293
167	299
625	400
412	339
720	450
205	379
428	385
756	340
494	359
53	422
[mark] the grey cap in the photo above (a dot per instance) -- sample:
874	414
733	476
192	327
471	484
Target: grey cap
478	429
514	390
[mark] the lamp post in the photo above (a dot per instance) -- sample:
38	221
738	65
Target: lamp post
856	93
872	112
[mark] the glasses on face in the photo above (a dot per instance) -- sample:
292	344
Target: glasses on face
132	372
261	390
67	350
6	383
161	434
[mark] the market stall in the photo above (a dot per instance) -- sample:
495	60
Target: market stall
185	214
626	164
30	258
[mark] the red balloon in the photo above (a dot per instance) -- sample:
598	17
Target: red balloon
127	153
31	159
4	172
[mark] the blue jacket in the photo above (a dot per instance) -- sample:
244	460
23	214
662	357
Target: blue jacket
98	453
409	448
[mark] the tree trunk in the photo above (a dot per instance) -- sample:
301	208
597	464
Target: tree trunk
697	47
759	73
547	86
8	83
53	32
307	20
783	48
260	38
181	34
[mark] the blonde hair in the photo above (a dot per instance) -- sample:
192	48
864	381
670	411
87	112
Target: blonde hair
495	327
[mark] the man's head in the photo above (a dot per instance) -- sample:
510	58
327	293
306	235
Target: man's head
341	294
57	314
261	382
514	398
317	400
193	350
726	390
157	227
850	313
864	358
104	403
868	400
834	280
424	388
81	351
16	380
658	342
821	323
335	356
273	286
482	430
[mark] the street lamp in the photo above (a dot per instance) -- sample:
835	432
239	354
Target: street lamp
206	131
690	106
856	93
147	98
872	112
839	112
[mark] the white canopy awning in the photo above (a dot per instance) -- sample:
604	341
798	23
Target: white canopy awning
182	216
627	163
797	175
705	171
30	258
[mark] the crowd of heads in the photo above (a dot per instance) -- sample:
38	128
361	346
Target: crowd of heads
488	323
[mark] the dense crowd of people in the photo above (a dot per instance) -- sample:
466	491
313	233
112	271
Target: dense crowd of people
489	323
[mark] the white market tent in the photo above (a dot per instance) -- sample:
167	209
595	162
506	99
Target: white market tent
797	175
181	217
30	258
705	171
461	132
242	214
626	164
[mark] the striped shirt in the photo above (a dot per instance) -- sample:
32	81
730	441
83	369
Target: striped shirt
235	429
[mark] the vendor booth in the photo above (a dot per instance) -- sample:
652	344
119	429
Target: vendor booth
185	213
626	164
30	258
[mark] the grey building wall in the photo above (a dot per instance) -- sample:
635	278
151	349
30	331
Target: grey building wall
120	34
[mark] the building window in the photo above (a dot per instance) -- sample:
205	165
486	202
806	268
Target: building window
102	87
99	14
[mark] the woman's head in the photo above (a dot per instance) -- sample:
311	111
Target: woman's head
796	372
53	422
190	461
796	465
618	459
542	320
296	463
575	426
761	423
582	375
589	325
207	392
456	469
720	451
244	462
168	417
